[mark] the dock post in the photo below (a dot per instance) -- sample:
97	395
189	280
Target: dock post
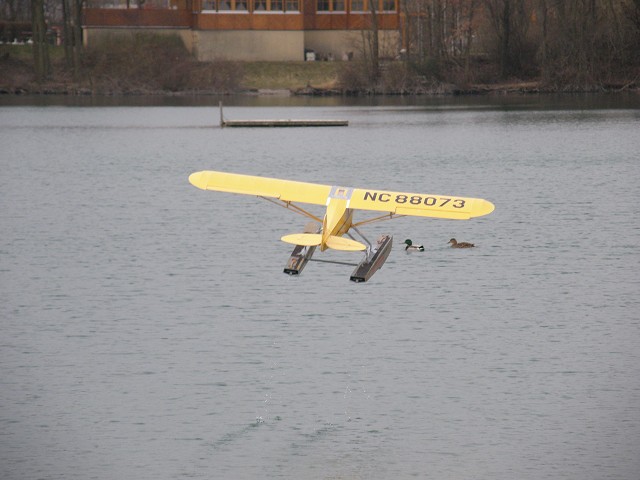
221	116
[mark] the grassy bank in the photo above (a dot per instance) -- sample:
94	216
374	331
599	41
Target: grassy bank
146	68
161	65
289	75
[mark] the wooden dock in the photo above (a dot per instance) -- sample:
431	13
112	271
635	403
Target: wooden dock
280	123
285	123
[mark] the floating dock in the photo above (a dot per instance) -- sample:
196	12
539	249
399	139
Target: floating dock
280	123
285	123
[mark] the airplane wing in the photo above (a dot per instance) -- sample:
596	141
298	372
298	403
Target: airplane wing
419	204
398	203
285	190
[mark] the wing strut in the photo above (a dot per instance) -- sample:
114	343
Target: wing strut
293	207
382	218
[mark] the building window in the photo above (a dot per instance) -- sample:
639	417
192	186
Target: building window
330	5
380	5
225	5
389	5
277	6
357	5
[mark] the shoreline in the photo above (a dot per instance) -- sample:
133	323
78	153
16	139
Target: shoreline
520	88
159	66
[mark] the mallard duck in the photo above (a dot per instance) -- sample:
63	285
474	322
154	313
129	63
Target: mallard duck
454	244
413	248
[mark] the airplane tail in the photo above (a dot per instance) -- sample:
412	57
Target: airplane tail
341	243
315	239
306	239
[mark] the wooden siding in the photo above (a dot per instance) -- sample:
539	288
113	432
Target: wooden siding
305	20
135	17
248	21
349	21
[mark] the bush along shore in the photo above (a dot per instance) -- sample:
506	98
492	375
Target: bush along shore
152	65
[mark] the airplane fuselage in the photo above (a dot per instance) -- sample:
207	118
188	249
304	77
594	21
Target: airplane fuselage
337	221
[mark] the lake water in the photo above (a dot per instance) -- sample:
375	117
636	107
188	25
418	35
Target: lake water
148	331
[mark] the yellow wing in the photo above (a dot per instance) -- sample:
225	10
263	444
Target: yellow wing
419	204
416	204
286	190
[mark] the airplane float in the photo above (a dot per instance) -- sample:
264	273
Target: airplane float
338	221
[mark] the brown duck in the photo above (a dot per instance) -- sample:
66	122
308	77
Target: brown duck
455	244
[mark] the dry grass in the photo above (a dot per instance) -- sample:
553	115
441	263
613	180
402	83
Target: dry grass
289	75
160	64
150	64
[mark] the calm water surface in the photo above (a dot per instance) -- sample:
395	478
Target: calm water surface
148	331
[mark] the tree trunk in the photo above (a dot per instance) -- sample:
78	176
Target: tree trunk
544	62
77	35
375	44
504	44
72	20
469	39
67	32
405	32
41	63
500	14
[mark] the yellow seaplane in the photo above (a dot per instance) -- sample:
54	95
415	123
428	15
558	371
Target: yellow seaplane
338	221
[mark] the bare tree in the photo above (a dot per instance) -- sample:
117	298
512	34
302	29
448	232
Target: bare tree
632	10
374	43
67	33
468	32
500	18
15	10
510	21
544	40
72	38
42	64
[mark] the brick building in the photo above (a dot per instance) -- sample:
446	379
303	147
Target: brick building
252	30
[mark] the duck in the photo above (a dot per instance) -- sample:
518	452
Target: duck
413	248
455	244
